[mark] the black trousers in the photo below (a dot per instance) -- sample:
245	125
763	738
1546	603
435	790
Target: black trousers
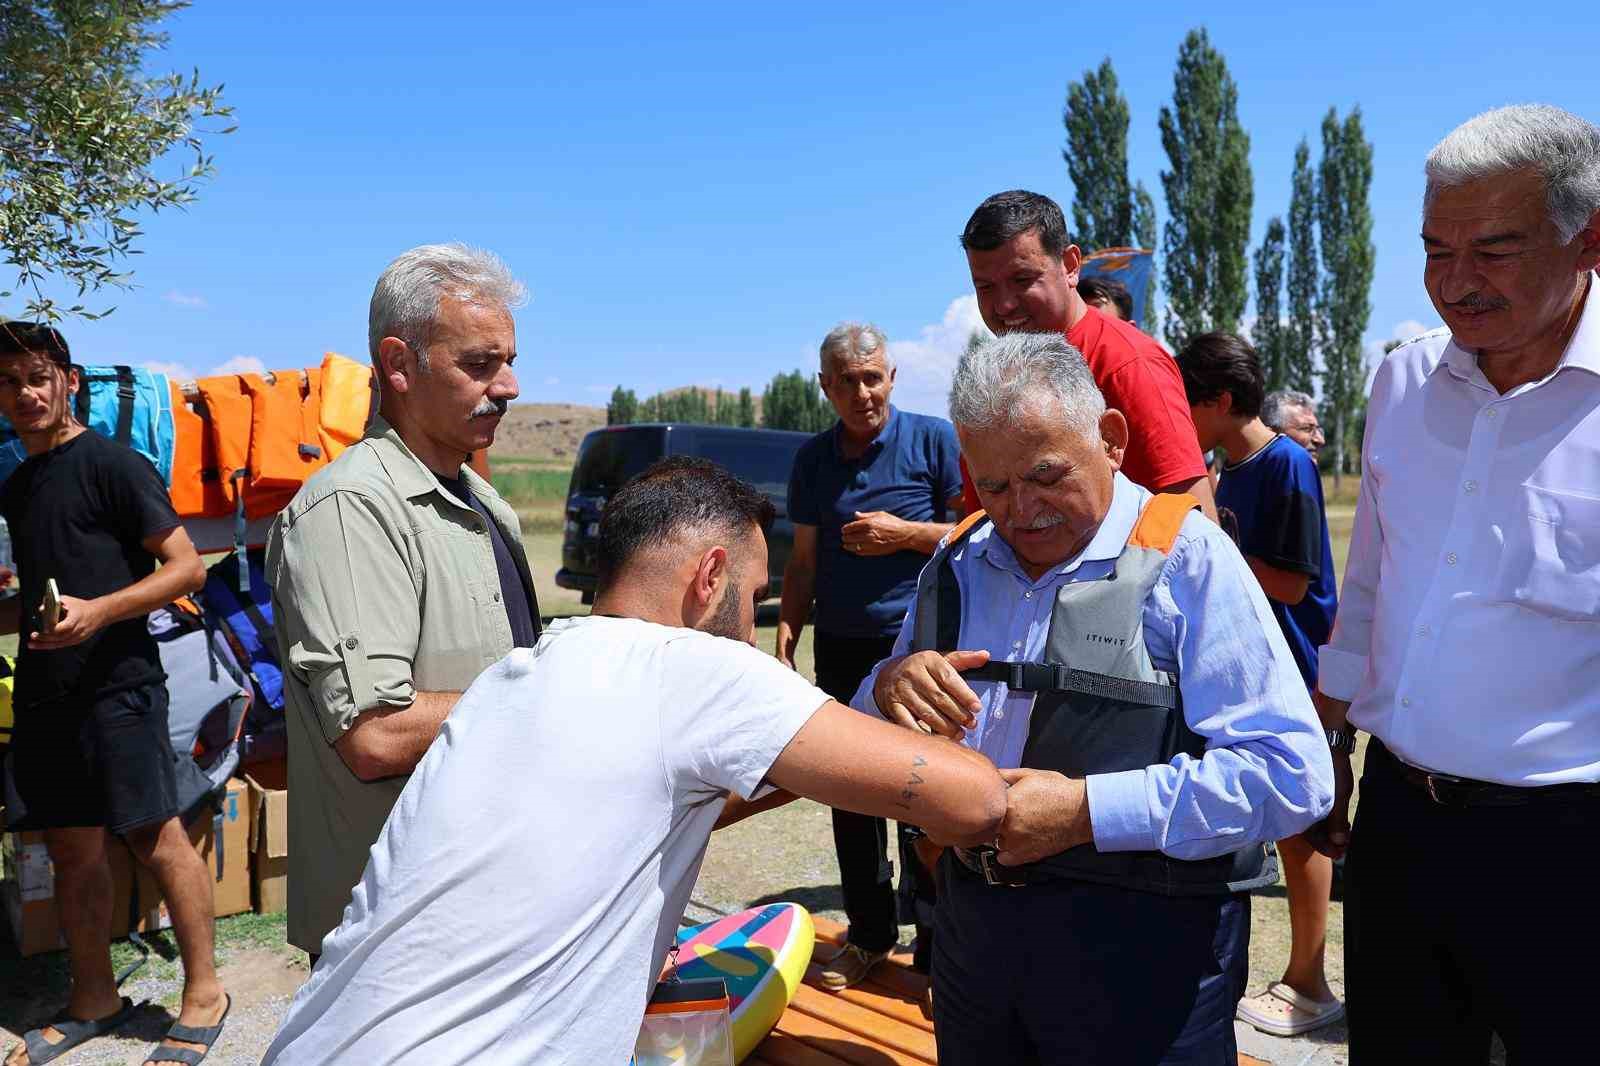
1071	972
861	842
1463	920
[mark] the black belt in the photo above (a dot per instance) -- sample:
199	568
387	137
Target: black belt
984	861
1447	790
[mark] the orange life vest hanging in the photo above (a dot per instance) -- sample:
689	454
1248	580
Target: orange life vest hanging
197	490
228	410
284	443
347	401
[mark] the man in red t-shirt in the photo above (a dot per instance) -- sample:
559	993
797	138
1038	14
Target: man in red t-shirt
1025	274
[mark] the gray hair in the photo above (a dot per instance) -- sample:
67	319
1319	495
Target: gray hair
855	340
405	301
1562	147
1003	377
1276	406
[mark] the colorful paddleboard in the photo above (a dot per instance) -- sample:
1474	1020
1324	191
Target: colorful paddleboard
762	954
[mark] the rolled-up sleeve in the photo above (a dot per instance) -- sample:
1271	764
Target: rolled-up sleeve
348	608
1265	773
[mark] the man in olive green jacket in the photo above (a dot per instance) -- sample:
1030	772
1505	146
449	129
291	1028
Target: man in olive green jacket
398	574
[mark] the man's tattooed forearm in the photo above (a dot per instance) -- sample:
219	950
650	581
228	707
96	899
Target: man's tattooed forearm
910	792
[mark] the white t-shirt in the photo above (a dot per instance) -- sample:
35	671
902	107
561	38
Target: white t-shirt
522	896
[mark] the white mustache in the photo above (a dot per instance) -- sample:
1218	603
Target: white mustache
1044	521
487	406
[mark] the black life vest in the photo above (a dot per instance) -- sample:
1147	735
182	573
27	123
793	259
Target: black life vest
1101	706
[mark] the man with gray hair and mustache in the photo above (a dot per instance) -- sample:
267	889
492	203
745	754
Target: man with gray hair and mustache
1467	644
1111	653
398	574
869	497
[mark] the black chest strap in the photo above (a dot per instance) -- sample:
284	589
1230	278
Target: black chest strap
1049	677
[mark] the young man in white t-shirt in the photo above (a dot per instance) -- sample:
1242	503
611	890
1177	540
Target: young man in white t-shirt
522	896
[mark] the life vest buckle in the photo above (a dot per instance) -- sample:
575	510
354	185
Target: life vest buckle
1035	677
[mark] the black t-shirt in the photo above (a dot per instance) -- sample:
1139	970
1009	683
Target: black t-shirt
78	513
519	612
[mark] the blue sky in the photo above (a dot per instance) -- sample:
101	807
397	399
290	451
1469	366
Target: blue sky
696	193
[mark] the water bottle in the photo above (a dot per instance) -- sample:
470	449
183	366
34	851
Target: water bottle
5	559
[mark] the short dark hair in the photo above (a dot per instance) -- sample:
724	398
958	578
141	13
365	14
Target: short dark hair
1217	363
1103	288
23	338
1010	214
672	494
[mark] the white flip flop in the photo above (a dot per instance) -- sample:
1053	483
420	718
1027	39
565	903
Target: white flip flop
1281	1011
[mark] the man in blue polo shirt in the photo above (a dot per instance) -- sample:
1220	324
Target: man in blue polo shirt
1272	487
870	500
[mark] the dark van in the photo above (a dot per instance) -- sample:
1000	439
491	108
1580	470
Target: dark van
609	457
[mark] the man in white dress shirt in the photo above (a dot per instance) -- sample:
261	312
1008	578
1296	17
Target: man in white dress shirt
1468	637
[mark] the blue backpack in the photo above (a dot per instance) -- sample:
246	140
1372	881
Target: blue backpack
244	616
130	405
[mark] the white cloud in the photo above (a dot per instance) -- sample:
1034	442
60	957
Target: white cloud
923	366
1404	331
552	381
240	364
179	298
175	371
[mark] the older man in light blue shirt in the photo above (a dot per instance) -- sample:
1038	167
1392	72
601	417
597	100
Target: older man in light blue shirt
1129	939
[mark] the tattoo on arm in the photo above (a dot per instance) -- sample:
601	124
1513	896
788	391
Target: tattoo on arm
910	792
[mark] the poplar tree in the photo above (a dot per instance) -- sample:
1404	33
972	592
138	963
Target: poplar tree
1209	196
1299	332
623	408
1267	334
1344	216
1096	120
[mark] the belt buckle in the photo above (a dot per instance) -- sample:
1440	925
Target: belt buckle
993	873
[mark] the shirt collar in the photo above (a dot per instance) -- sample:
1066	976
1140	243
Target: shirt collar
1127	501
409	474
891	425
1582	351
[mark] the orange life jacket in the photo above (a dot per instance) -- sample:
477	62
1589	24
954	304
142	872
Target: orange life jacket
347	393
197	490
284	441
228	421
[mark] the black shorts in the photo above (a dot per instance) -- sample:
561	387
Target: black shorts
109	765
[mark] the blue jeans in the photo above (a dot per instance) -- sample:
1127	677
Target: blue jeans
1071	972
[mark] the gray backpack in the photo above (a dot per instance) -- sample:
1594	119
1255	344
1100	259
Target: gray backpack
207	697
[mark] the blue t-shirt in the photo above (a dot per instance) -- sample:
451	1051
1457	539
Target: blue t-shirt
911	470
1276	495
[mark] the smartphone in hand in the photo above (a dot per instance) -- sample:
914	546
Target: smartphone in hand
50	609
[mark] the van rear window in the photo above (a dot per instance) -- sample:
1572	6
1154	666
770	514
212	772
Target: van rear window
610	457
763	462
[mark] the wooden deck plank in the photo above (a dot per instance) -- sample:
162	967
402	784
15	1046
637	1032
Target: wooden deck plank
853	1049
903	1004
781	1049
864	1021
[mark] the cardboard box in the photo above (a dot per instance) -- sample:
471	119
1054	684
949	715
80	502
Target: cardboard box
29	879
269	837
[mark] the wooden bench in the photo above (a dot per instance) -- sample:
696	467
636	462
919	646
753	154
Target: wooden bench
877	1023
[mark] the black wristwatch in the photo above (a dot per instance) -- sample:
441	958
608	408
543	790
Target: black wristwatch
1341	740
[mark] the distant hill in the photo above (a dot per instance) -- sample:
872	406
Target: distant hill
545	432
551	432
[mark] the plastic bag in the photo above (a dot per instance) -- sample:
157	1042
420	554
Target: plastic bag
686	1024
